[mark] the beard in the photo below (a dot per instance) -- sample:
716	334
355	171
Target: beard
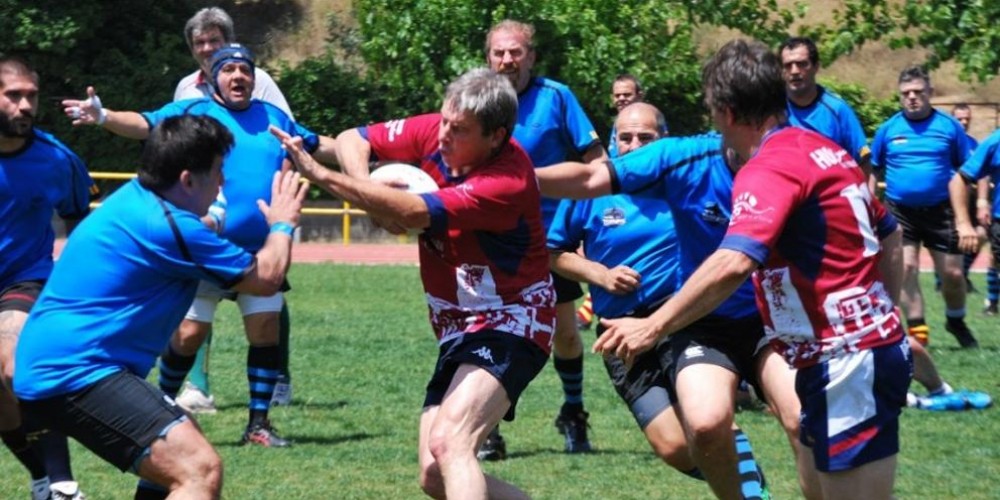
16	129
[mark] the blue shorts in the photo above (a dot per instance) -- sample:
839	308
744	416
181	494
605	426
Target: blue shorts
514	361
851	406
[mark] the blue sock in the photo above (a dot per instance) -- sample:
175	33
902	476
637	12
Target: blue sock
752	480
992	285
571	374
262	374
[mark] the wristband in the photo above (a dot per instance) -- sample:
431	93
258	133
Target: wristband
282	227
982	203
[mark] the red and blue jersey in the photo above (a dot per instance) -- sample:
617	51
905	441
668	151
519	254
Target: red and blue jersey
483	260
802	209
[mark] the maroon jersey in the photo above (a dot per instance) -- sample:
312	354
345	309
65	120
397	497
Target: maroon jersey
802	208
483	260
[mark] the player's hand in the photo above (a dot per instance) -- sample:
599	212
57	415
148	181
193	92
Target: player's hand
288	192
303	161
968	240
983	215
626	338
620	280
86	112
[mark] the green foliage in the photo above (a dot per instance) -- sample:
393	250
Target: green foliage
872	112
131	51
362	352
415	47
961	30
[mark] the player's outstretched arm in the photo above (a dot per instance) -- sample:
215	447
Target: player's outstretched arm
326	153
272	261
618	280
90	111
353	153
575	180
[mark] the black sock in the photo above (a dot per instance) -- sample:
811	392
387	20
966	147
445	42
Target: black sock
284	332
571	374
54	449
146	490
17	442
174	368
262	374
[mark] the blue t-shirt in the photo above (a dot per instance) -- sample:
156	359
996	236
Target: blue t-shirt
552	127
986	161
832	117
620	229
691	174
121	286
250	166
41	178
919	157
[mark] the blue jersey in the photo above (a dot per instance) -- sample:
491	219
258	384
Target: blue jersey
986	162
552	127
121	286
692	176
41	178
633	231
250	166
831	116
919	157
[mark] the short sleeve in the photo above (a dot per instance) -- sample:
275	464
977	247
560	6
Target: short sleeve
578	126
192	250
764	195
567	229
76	202
404	140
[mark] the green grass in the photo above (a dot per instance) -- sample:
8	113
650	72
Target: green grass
363	351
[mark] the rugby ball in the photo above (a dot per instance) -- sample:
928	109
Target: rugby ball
416	180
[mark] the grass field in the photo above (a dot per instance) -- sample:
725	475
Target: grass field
362	352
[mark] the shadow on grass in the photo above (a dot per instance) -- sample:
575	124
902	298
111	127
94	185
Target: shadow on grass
296	404
559	451
301	440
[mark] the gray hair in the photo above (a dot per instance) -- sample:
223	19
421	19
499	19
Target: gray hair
209	17
512	26
488	95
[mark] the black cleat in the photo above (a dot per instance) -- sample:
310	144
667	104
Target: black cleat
574	429
961	331
494	448
264	435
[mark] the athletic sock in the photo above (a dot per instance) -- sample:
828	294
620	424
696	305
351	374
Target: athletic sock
955	315
17	442
571	374
146	490
585	313
284	342
992	285
918	330
941	391
752	481
53	447
967	260
262	374
198	376
174	367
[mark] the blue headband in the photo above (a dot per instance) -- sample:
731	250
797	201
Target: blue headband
232	52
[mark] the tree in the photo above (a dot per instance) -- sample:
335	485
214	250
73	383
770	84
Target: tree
962	30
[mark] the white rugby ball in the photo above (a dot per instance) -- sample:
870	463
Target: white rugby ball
417	181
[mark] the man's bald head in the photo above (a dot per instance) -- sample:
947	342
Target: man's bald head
638	124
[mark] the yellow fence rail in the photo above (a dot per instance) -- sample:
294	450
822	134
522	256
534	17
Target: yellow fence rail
345	213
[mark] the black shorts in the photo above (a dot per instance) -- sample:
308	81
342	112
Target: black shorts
21	296
514	361
644	387
932	226
567	290
730	343
118	418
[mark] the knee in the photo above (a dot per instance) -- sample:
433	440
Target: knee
711	434
431	481
674	454
204	472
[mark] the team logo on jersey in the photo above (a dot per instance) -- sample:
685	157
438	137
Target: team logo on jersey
613	217
898	140
713	214
395	128
745	207
485	353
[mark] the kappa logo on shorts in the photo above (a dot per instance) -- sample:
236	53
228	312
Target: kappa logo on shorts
695	351
485	353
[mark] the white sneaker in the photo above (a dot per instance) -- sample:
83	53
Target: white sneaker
67	490
282	393
193	400
40	489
